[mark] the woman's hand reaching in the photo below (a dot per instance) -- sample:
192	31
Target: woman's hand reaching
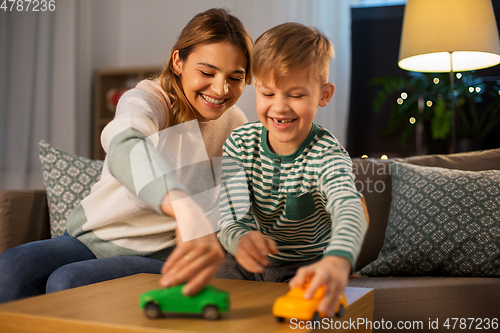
194	259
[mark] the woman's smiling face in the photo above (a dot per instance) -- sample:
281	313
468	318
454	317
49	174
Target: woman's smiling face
212	78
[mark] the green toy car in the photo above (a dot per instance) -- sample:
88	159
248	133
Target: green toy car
210	302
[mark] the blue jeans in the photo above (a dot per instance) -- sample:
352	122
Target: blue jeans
61	263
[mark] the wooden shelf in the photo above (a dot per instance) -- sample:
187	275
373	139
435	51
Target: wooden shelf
109	84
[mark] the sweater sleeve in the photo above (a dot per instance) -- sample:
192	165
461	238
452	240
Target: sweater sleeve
131	140
235	208
345	204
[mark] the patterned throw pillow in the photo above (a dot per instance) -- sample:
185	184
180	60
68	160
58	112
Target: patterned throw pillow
68	179
442	222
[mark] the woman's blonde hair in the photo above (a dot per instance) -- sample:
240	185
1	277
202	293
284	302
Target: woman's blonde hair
215	25
290	46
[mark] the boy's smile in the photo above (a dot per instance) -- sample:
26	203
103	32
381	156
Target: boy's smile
282	122
287	108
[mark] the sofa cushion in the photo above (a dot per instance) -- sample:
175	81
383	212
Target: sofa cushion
468	161
373	180
442	222
68	179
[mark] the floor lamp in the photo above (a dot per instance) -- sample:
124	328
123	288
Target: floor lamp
449	36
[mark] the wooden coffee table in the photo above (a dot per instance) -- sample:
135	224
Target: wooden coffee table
112	307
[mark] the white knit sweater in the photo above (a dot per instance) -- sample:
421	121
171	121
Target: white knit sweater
122	216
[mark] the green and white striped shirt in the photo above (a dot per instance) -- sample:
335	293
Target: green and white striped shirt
306	202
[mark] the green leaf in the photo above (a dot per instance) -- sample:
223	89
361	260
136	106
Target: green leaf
441	121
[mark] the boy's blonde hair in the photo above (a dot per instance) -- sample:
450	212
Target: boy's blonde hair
291	46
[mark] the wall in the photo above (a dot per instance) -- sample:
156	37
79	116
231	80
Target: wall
47	62
136	33
141	33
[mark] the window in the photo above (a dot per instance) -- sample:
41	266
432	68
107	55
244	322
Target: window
375	3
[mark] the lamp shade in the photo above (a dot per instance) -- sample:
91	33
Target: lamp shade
449	35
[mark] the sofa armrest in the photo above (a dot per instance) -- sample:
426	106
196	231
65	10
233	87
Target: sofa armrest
24	217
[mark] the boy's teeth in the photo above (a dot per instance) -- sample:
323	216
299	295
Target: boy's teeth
211	100
282	121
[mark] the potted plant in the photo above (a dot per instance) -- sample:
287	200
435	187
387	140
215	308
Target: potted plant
424	99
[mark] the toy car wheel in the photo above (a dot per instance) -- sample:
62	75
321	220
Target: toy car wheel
341	311
211	312
316	317
280	319
152	310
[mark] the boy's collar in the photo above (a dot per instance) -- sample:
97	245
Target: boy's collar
287	158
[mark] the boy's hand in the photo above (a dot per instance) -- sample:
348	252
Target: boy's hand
253	250
331	272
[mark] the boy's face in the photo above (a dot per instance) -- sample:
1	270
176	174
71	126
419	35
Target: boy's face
287	108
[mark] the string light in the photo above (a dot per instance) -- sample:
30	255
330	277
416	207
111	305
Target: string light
412	120
364	156
429	103
478	89
459	76
471	89
384	157
400	101
436	80
404	95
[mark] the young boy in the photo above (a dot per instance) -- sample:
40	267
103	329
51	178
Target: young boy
306	220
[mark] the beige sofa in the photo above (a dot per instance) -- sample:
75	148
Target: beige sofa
423	298
24	218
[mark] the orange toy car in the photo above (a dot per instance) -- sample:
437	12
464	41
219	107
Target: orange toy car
294	305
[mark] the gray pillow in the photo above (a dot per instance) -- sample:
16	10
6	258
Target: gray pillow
443	222
68	179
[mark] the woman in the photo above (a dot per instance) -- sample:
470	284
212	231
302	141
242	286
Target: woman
126	226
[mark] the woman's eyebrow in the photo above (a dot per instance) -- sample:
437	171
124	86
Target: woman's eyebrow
239	71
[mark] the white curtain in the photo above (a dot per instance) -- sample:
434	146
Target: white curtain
47	61
44	88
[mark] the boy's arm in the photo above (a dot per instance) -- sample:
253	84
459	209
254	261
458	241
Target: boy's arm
236	218
349	224
346	206
238	229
